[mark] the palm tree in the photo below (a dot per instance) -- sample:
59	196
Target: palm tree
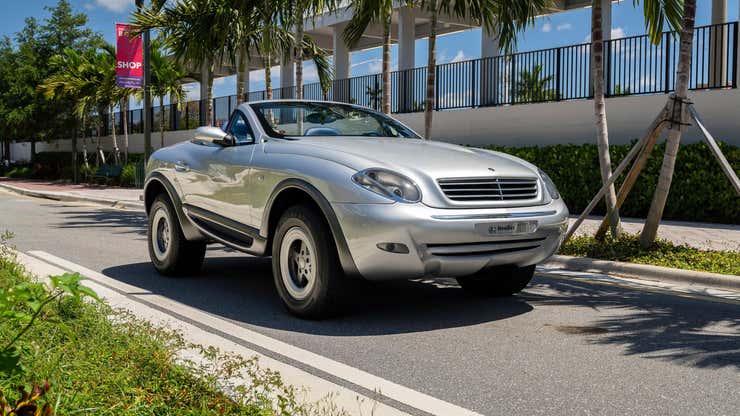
166	75
505	18
89	79
365	13
197	31
602	132
532	86
69	81
655	19
300	9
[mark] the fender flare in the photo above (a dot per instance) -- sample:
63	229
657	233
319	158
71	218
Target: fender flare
345	257
189	230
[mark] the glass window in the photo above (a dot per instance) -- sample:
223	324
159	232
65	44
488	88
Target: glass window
239	128
303	119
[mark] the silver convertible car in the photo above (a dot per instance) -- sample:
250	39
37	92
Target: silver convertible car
334	192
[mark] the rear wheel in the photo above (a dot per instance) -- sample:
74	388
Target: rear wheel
305	264
498	281
171	253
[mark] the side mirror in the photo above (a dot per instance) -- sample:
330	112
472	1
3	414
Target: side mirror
214	135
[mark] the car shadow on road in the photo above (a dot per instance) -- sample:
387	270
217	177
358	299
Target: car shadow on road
686	331
240	288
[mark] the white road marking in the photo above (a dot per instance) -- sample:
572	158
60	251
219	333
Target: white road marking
370	382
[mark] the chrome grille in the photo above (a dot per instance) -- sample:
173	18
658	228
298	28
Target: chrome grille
488	189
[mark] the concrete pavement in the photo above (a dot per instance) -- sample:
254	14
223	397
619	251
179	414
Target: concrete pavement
566	345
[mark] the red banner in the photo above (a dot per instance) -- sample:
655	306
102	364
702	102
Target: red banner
129	58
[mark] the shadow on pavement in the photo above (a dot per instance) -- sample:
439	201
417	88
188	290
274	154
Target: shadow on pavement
125	222
241	288
687	331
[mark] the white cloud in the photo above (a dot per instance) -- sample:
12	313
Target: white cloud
459	56
547	27
618	32
373	65
564	26
118	6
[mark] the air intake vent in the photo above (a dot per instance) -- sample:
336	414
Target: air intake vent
488	189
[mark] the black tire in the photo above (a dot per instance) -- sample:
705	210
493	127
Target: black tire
311	289
497	281
177	256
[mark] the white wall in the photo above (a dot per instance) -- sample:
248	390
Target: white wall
572	121
518	125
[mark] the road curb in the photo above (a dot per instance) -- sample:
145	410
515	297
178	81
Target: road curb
644	271
66	197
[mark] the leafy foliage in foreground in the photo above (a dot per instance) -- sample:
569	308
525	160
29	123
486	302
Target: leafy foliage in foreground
662	253
699	192
103	361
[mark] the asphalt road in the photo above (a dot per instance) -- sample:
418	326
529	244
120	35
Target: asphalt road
561	347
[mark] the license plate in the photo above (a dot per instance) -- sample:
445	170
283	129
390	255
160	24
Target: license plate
507	228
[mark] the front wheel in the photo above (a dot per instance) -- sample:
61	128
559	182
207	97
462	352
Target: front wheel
171	253
305	264
498	281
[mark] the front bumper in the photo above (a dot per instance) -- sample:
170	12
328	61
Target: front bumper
445	242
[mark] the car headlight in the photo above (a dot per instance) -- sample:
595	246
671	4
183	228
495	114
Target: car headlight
389	184
550	185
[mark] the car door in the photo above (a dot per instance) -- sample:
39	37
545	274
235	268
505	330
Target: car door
217	177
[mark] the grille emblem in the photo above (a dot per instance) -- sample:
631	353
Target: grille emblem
492	169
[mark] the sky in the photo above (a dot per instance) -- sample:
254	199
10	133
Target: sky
566	28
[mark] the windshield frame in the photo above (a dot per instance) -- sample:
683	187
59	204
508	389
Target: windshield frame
258	107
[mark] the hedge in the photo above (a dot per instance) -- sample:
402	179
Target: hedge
700	191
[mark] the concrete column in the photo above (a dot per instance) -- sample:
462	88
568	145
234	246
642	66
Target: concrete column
718	38
406	57
406	38
341	65
287	78
491	84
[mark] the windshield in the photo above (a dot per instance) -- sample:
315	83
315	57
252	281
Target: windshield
302	119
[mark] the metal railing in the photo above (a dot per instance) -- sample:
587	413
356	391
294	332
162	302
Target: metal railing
633	65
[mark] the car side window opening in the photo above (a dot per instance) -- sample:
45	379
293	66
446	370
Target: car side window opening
239	128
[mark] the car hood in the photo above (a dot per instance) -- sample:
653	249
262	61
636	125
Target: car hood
409	156
422	161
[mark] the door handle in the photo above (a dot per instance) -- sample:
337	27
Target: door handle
181	166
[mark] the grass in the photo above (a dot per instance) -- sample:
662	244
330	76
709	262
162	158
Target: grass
662	253
103	361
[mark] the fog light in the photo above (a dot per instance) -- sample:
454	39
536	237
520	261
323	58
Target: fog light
394	248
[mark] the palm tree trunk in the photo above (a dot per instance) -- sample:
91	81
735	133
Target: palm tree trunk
299	54
387	65
650	230
124	117
84	142
242	76
602	131
268	78
99	154
209	96
161	121
431	69
116	154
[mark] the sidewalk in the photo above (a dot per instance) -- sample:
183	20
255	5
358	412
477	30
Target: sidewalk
700	235
114	196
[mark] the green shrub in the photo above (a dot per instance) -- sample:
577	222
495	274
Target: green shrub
662	253
21	172
700	191
128	175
